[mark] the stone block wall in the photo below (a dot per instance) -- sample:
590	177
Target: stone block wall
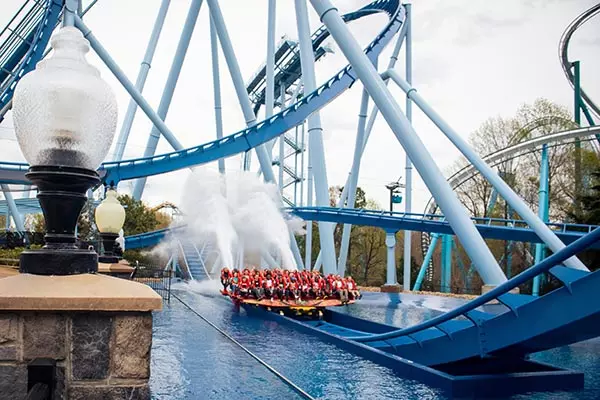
98	355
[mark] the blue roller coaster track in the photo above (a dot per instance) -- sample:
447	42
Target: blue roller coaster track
491	228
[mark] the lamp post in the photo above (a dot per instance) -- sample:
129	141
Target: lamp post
65	118
394	188
110	216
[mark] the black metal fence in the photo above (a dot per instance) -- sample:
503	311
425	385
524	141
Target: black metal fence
158	278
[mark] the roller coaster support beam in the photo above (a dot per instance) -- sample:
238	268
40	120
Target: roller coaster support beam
214	47
369	127
577	155
309	225
408	163
353	179
242	94
315	133
169	89
69	11
390	243
122	78
270	65
446	276
455	213
502	187
579	104
12	206
141	79
281	144
426	261
543	211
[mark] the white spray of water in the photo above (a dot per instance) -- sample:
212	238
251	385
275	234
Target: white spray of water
207	214
238	212
209	288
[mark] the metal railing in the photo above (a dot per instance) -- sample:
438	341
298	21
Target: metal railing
158	278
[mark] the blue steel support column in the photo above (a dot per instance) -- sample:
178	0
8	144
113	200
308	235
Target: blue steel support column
309	203
122	78
315	132
543	213
455	213
242	94
501	186
270	65
390	242
426	261
169	89
69	12
12	206
408	163
446	276
141	79
214	47
353	180
281	143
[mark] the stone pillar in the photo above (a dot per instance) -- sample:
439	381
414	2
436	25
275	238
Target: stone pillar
93	331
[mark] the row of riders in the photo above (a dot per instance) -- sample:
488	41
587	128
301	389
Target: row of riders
287	285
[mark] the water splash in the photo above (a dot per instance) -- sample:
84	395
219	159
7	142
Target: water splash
207	214
240	214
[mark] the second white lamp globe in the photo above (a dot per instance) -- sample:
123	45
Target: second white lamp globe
110	214
64	113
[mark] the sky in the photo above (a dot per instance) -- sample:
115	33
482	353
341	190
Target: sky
472	60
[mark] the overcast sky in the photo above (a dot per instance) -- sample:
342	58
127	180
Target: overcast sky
472	59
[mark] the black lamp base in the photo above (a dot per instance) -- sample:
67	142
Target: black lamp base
108	242
58	262
62	195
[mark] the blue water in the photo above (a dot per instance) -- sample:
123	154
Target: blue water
191	360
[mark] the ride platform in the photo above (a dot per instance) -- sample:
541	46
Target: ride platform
300	308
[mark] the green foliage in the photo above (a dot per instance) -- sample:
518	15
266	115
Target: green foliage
137	256
139	218
13	254
335	192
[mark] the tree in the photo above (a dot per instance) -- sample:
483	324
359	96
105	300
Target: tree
368	260
589	214
522	173
335	192
139	218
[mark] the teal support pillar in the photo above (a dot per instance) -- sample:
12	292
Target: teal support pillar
509	249
446	277
543	212
426	261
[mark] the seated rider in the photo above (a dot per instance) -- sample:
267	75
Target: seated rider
353	291
268	285
292	290
225	278
280	290
257	290
245	286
